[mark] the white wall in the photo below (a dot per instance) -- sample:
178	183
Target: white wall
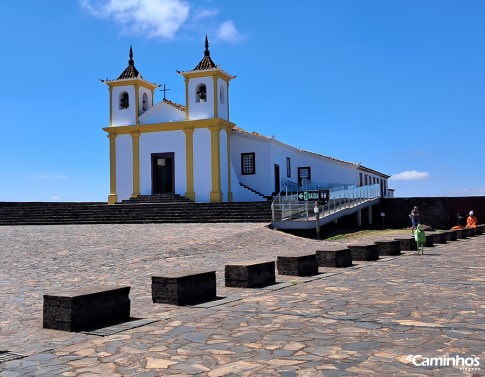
202	165
161	113
224	163
222	107
162	142
127	116
140	100
201	110
124	167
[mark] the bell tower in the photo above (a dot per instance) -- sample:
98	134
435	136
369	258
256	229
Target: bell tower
207	89
130	96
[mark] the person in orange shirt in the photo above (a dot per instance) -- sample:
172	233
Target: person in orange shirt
471	221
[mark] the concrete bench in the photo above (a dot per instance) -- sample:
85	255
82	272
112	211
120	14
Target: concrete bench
470	232
408	244
460	233
364	252
86	309
297	264
429	240
334	258
184	288
480	230
450	235
388	247
439	237
251	274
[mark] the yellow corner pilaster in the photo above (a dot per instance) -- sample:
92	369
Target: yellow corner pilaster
112	197
215	194
189	158
227	100
135	137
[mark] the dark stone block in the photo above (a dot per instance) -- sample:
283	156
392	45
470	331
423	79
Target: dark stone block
388	247
470	232
334	258
250	274
408	244
450	235
364	252
439	237
184	288
480	230
429	240
86	309
460	233
297	264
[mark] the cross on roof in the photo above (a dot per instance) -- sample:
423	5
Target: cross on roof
164	90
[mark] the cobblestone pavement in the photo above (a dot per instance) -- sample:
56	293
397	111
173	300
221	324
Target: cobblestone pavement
358	321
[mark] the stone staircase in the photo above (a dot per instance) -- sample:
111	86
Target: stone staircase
157	198
175	211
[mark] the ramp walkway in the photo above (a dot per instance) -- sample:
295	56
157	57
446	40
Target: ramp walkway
290	213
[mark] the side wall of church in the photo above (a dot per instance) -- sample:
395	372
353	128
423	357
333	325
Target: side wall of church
224	165
124	167
202	165
222	99
162	142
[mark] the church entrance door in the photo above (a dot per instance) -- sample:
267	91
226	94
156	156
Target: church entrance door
162	173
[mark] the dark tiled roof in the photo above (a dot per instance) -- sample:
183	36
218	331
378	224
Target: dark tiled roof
205	63
173	104
130	72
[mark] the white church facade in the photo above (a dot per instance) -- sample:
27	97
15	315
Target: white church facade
195	151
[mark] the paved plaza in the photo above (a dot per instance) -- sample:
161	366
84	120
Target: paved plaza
360	321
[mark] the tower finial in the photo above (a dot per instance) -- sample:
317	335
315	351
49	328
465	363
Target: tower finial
206	52
131	61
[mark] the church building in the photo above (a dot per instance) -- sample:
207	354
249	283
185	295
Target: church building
195	151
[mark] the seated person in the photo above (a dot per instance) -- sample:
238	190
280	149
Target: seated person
461	222
471	221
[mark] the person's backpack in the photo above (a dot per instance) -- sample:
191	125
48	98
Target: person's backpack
420	236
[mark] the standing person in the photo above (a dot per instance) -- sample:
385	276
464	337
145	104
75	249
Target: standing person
471	221
415	219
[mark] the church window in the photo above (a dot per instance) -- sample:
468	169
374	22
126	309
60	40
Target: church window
145	102
360	179
288	167
221	95
201	94
304	173
248	165
124	101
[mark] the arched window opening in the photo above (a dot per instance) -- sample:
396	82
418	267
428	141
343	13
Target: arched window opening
124	101
201	94
145	102
221	95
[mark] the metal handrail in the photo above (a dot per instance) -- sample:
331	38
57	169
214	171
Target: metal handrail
288	208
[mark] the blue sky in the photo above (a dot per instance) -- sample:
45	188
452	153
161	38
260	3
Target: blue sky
396	85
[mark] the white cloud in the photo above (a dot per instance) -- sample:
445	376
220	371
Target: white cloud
227	32
477	191
55	198
153	18
411	175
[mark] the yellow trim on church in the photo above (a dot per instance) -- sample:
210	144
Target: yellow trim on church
215	194
135	137
112	197
189	161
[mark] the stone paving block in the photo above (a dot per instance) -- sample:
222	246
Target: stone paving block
184	288
439	238
366	252
388	247
86	309
334	258
299	264
252	274
408	244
